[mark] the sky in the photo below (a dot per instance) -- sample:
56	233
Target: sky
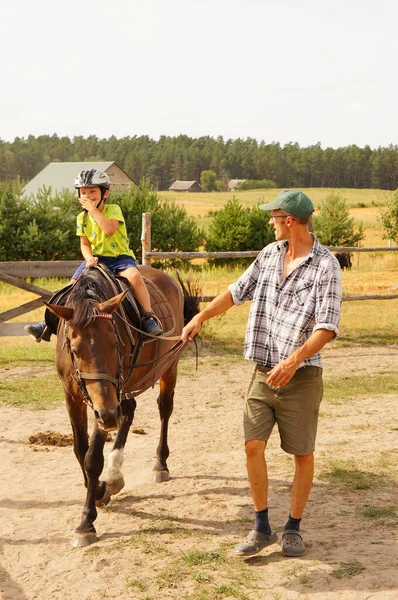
282	71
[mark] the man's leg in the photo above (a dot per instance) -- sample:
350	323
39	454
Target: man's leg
302	484
257	473
261	536
292	542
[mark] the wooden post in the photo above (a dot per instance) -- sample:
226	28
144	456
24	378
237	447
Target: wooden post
146	238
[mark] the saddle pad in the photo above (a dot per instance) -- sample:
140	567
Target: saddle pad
161	307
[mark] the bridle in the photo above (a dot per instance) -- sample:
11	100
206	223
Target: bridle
80	377
162	362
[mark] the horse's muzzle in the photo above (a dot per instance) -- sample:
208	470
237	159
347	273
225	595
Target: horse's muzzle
108	419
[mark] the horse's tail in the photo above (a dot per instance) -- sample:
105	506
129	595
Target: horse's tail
192	291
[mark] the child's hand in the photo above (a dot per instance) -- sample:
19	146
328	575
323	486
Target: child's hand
88	205
92	262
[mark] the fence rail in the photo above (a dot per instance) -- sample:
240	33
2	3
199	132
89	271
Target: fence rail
254	253
15	272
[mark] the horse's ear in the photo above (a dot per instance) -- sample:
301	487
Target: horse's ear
61	311
110	305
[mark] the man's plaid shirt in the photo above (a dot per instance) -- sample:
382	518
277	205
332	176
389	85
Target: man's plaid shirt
284	313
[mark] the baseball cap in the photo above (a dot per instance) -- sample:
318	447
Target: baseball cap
292	201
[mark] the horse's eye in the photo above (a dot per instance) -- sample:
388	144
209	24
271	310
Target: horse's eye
75	351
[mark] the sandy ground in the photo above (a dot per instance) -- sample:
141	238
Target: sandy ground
148	527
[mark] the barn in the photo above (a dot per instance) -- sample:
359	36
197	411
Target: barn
185	186
61	175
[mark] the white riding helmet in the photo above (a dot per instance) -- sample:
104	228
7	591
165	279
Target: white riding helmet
92	178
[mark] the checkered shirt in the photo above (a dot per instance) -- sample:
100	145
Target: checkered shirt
285	312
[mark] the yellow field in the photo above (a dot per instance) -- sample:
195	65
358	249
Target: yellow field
198	205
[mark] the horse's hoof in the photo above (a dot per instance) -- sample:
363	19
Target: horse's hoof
105	499
161	476
115	486
84	539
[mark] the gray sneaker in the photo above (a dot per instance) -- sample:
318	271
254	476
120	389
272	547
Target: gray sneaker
255	542
39	332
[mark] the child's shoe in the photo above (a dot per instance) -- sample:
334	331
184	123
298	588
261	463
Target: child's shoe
150	325
39	332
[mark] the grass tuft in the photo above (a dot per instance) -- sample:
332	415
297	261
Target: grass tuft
348	569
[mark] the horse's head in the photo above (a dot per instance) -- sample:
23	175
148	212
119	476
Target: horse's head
88	357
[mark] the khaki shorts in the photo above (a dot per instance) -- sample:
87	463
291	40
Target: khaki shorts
294	407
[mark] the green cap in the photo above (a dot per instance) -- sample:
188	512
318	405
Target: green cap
293	202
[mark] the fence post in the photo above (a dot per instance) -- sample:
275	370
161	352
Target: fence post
146	238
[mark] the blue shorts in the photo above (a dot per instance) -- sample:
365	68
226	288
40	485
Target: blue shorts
114	264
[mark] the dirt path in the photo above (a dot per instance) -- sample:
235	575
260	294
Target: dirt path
149	531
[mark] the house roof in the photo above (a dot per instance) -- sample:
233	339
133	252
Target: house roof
182	185
61	175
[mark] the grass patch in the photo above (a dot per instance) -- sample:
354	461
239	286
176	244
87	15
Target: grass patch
137	584
347	476
23	351
200	557
344	387
348	569
32	392
376	512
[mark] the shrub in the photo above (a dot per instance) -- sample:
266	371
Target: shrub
171	228
388	217
333	226
39	228
208	180
235	228
255	184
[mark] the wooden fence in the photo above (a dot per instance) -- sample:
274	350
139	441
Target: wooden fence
15	273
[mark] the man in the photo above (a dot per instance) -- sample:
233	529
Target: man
295	286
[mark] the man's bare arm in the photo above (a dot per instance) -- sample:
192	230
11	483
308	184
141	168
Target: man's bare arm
282	373
216	307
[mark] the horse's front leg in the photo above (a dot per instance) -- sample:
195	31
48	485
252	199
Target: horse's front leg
86	534
165	404
77	411
114	478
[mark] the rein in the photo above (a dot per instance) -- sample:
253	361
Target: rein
162	362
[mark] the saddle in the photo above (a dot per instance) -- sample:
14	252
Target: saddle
160	305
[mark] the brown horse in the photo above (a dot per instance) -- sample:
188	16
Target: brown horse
104	361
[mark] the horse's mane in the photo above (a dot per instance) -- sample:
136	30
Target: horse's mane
88	288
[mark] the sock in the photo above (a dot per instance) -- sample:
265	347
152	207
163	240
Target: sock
293	523
262	523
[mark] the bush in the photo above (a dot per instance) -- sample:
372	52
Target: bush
171	228
235	228
333	226
174	231
255	184
208	180
38	228
388	217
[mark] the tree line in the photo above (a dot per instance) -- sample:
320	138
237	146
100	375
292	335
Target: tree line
169	158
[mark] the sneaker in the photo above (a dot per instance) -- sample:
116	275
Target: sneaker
39	332
150	325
